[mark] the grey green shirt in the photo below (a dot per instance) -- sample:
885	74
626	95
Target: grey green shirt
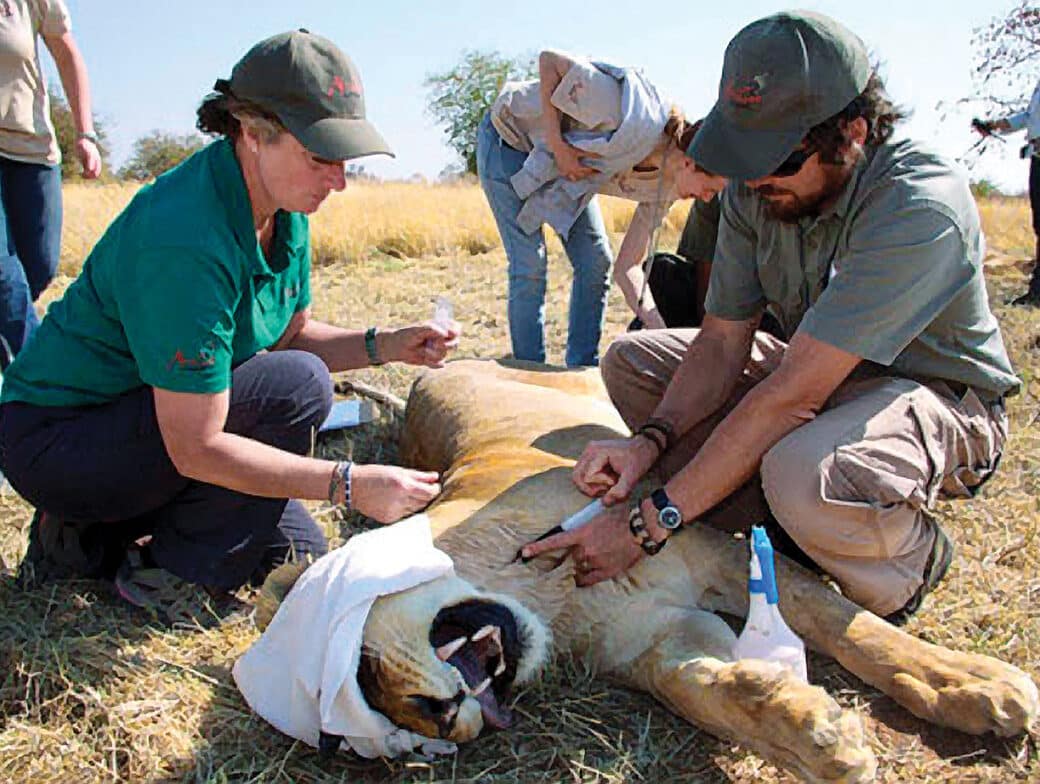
892	272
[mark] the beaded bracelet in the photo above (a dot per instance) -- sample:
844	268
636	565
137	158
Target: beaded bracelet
340	478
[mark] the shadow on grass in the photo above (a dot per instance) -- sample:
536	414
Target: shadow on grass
569	727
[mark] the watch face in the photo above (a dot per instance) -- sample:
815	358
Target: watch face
669	518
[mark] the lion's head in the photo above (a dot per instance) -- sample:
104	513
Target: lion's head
441	659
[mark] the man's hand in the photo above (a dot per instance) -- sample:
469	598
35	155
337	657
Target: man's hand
601	549
425	344
89	158
982	127
612	468
568	161
388	493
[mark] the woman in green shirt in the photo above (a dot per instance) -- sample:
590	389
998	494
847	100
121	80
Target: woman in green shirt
173	391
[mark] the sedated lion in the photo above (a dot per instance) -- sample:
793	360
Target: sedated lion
441	658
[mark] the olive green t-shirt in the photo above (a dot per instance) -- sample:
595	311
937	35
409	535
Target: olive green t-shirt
26	133
175	294
892	272
697	242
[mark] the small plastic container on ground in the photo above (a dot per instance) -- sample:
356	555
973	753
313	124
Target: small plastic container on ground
766	635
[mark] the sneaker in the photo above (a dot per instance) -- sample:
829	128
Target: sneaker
172	600
934	570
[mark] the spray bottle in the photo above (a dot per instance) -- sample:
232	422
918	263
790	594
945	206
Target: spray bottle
766	635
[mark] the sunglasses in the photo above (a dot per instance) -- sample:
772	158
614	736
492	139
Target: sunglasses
794	162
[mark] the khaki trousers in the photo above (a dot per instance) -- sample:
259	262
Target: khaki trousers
851	486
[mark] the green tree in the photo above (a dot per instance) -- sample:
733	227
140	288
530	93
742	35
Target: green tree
157	152
458	98
65	131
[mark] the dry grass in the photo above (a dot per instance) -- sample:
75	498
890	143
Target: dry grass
89	691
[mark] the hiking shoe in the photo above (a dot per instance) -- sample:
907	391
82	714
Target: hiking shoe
172	600
934	570
59	550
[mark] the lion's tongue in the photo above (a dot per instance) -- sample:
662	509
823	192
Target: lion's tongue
498	716
474	671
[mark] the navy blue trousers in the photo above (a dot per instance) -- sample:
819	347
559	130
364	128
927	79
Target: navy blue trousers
106	466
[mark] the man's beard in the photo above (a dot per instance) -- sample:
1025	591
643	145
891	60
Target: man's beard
795	207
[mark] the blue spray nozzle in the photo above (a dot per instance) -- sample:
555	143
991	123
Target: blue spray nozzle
764	551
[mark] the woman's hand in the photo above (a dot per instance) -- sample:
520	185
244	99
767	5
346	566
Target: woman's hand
601	549
612	468
424	344
388	493
89	158
568	161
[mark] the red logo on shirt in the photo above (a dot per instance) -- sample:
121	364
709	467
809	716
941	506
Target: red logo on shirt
5	8
203	359
341	87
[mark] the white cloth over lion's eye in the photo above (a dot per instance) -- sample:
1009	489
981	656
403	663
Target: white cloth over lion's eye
301	675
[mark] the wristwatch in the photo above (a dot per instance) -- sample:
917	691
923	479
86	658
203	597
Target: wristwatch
668	515
89	136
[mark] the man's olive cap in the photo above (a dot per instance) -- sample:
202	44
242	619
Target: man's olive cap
781	76
315	91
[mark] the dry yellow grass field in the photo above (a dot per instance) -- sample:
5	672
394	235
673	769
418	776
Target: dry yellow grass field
90	691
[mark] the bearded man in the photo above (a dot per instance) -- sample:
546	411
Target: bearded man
890	387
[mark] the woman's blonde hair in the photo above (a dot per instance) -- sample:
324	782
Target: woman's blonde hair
679	129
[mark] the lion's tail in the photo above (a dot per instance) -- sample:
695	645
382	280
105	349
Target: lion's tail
275	588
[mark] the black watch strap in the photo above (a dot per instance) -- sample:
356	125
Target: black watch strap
660	499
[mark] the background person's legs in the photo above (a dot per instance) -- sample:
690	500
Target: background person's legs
1032	296
525	253
30	244
589	252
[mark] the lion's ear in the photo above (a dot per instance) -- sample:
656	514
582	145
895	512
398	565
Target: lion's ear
275	588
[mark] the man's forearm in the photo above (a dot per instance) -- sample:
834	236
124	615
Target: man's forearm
734	451
703	382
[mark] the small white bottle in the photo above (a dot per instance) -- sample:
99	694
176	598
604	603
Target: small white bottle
443	313
766	635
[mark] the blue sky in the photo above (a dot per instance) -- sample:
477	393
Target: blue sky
151	62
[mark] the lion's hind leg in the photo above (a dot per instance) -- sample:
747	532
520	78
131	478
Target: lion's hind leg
758	703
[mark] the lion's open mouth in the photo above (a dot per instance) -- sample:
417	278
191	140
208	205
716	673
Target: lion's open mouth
480	640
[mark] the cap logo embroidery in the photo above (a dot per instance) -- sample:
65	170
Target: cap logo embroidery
747	94
341	87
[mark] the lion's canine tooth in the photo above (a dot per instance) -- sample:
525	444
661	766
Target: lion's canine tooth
501	667
481	688
483	632
449	649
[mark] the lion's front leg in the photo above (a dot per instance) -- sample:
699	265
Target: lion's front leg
760	704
